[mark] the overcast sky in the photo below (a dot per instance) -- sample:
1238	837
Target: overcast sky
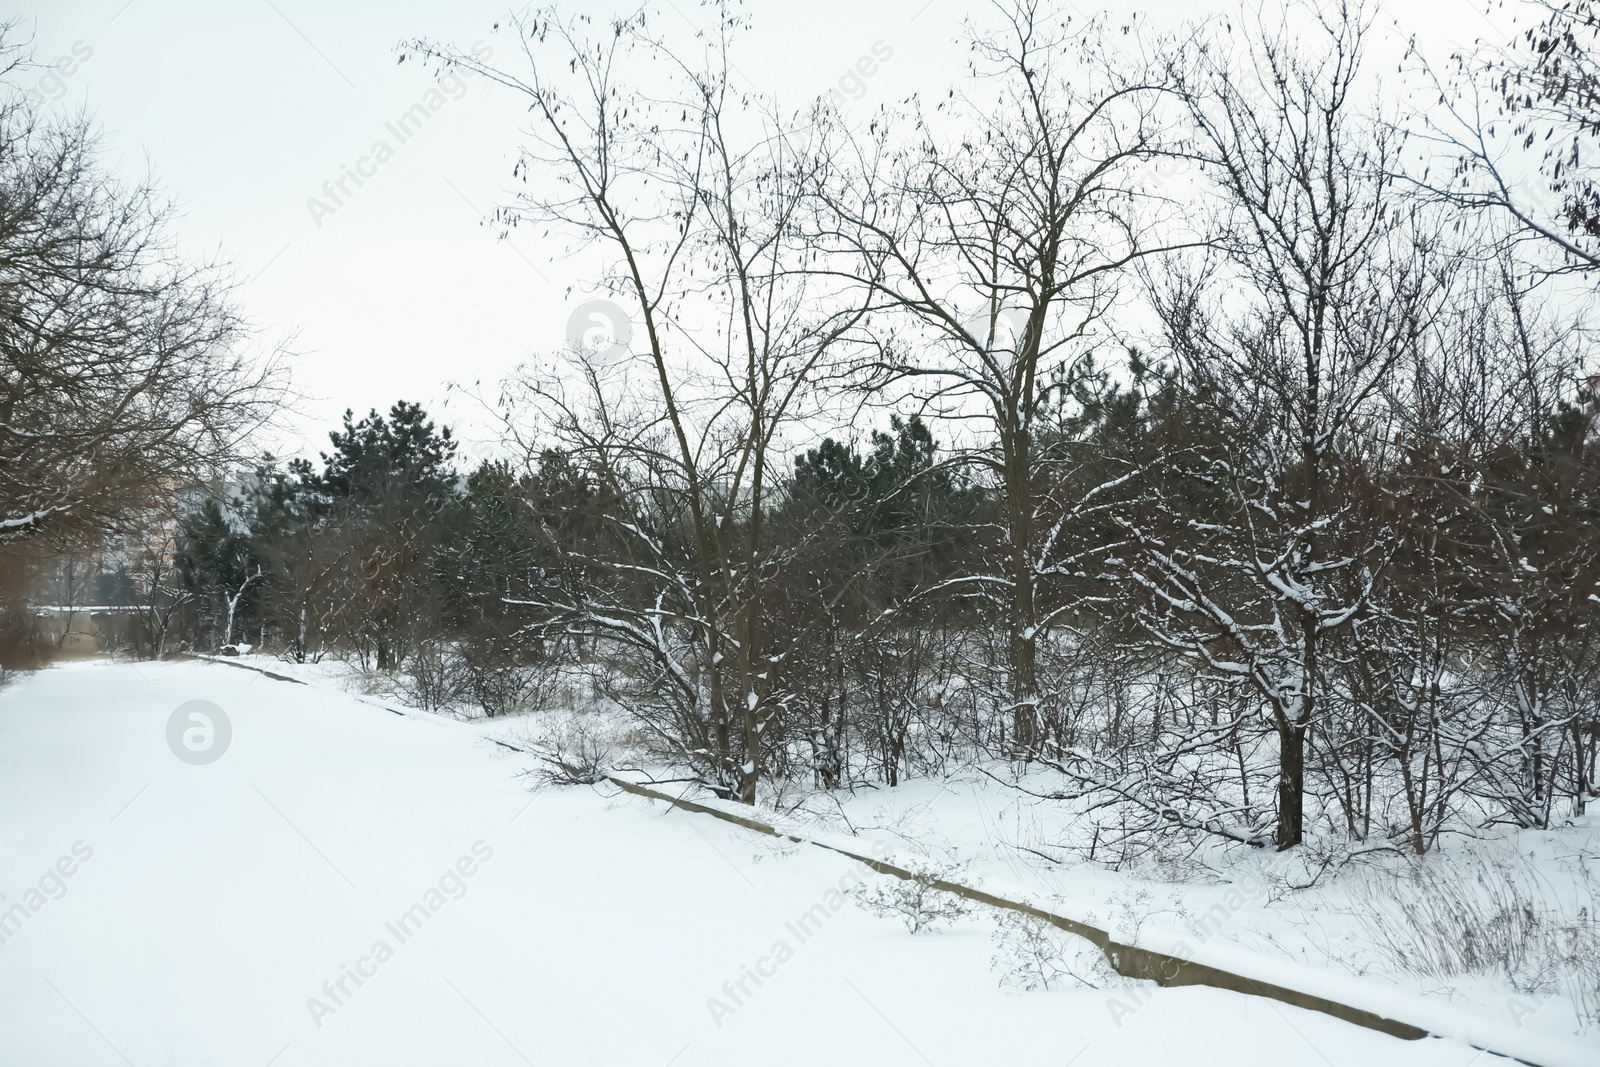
243	109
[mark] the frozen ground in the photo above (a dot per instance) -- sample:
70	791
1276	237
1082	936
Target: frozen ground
1280	918
211	913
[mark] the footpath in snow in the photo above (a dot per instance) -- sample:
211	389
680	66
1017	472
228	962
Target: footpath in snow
348	886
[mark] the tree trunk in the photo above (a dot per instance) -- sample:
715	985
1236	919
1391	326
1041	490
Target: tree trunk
1024	645
1291	784
1024	692
1580	778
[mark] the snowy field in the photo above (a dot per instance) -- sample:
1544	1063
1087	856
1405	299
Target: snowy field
345	885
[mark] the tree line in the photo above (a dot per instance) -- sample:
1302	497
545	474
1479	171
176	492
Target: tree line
1234	464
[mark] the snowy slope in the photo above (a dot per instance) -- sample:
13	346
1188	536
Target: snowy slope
1234	911
212	910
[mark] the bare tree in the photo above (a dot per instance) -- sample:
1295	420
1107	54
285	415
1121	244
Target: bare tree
693	195
994	232
121	368
149	553
1286	341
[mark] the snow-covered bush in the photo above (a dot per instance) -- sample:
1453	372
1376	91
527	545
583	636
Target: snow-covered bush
916	901
580	757
466	680
501	686
435	676
1031	954
575	747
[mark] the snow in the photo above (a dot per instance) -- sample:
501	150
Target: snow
251	911
1243	921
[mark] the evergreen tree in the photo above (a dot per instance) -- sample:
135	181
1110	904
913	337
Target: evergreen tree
216	561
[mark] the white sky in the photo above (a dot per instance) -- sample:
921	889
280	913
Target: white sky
244	108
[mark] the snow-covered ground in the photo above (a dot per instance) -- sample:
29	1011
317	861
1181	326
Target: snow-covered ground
350	886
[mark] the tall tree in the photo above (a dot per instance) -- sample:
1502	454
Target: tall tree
389	483
1328	281
995	232
215	560
694	195
123	369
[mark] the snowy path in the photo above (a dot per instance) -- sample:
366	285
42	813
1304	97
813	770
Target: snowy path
211	911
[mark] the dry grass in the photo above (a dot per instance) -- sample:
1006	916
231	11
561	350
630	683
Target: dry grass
1502	919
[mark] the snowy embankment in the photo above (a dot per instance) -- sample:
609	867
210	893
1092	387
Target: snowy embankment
1272	917
349	886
